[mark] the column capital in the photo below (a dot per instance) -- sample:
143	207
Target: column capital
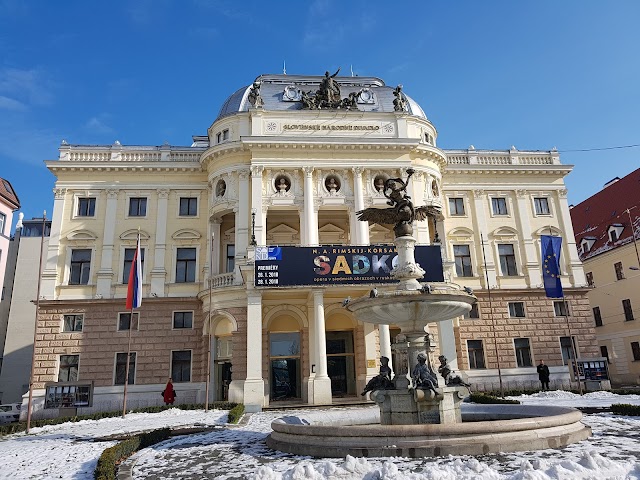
163	192
254	297
308	170
244	173
216	220
479	193
112	192
562	193
521	193
256	170
358	171
59	193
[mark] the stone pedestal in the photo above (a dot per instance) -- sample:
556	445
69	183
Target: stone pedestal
397	407
443	408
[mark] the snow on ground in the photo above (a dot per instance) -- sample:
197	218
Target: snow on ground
66	451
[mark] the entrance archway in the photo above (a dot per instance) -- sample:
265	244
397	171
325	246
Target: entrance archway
285	350
341	357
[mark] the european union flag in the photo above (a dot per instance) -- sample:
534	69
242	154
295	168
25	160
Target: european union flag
551	246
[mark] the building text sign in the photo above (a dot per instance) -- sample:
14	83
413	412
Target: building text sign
334	265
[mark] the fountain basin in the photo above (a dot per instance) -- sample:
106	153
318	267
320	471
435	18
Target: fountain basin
411	310
484	429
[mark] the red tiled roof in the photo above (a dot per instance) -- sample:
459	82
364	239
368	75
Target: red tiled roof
8	194
593	217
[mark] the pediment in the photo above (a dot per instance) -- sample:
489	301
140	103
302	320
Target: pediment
460	233
504	232
186	234
330	228
282	228
548	231
81	235
133	235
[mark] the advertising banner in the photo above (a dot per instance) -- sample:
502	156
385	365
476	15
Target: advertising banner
335	265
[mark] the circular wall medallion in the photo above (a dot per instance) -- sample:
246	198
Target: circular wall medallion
271	126
388	128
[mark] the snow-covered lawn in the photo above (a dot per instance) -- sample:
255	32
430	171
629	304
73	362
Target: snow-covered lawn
66	451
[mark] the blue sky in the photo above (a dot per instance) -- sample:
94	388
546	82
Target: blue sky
492	74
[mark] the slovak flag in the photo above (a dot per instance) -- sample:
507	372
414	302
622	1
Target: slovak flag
134	290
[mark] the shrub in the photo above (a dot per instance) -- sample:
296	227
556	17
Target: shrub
484	398
112	456
235	414
625	409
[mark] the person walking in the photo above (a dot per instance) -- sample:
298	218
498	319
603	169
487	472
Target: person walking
169	394
543	375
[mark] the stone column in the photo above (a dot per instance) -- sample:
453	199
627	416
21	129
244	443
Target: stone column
361	228
50	271
572	262
242	217
419	184
385	343
256	205
215	232
105	272
159	273
254	383
447	343
530	260
321	382
310	214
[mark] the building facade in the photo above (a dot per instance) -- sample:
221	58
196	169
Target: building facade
276	170
607	227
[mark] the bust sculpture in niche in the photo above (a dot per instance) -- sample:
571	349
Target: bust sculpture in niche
379	184
332	185
434	188
221	188
282	185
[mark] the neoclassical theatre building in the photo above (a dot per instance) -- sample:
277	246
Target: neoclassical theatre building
287	163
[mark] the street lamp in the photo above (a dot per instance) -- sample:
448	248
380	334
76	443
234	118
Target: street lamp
633	234
253	227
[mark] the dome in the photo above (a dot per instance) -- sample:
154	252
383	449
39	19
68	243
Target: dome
282	92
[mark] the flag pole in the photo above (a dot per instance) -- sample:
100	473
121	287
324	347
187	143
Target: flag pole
126	375
35	326
134	268
206	390
493	326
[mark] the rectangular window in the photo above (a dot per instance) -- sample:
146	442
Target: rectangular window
499	206
628	311
186	265
218	137
476	354
128	260
635	350
121	368
86	207
181	366
182	319
473	313
72	323
507	260
3	220
231	258
597	316
124	321
225	135
604	352
188	207
589	276
456	206
523	352
619	271
516	309
567	349
560	308
542	206
68	371
80	267
462	256
138	207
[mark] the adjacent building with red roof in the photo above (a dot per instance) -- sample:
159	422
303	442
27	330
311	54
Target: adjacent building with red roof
9	203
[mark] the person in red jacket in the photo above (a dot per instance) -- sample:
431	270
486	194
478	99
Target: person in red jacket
169	394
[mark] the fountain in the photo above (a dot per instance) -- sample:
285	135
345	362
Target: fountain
420	412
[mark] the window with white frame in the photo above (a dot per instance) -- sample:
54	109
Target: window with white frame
225	134
566	348
499	206
619	270
86	207
68	368
507	256
121	368
183	319
138	207
560	308
541	206
80	267
231	257
72	322
476	354
456	206
628	310
462	256
188	207
615	231
516	309
128	261
185	265
523	352
181	366
124	321
3	220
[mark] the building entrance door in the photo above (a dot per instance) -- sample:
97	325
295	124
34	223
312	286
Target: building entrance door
341	363
284	365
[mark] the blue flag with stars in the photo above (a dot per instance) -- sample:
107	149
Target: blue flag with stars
551	246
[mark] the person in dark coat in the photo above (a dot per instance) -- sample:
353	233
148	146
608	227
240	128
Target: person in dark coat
169	394
543	375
